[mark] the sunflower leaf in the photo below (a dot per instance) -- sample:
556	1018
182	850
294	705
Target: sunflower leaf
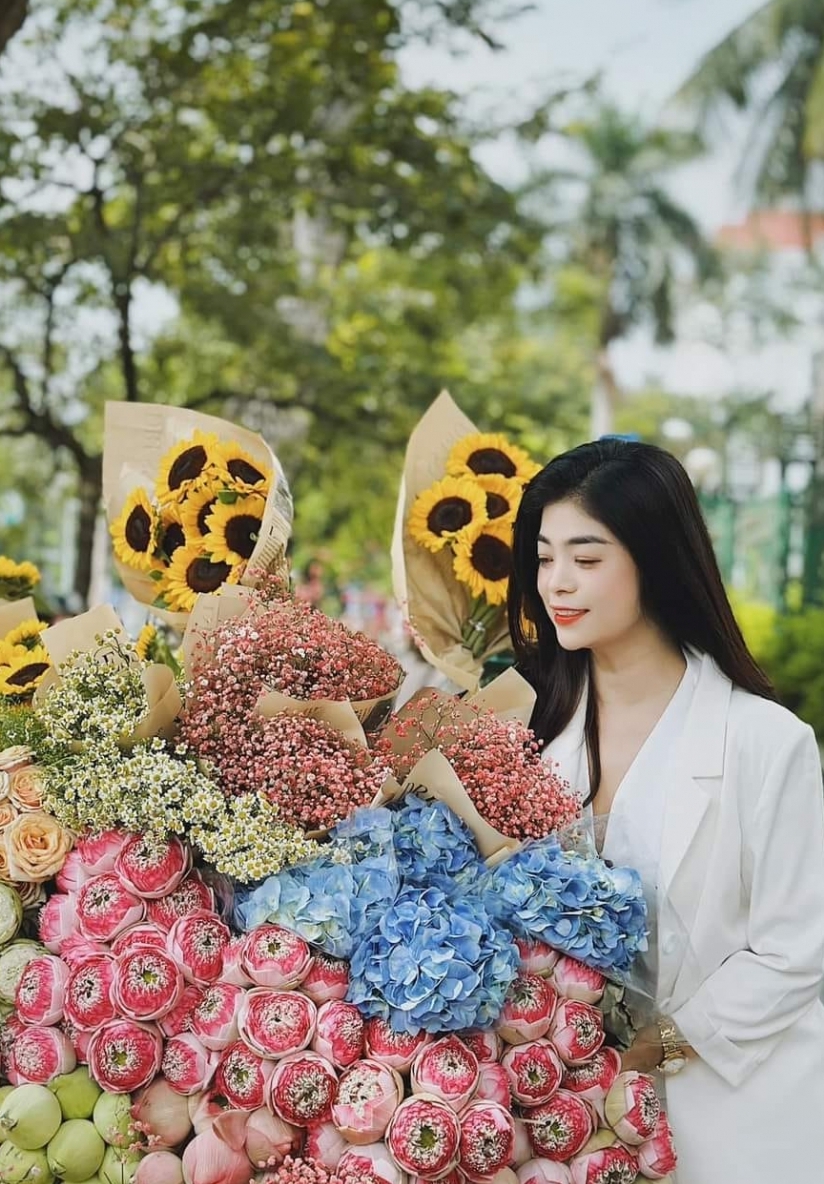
156	575
228	497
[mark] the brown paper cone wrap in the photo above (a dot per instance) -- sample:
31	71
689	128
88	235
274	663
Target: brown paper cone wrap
339	715
209	613
434	603
15	612
137	436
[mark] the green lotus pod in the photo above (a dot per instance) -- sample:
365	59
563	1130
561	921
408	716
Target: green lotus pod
5	1090
30	1116
93	1180
19	1165
13	961
76	1151
112	1115
119	1165
11	913
76	1092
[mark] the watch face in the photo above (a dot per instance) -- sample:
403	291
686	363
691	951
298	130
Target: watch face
672	1065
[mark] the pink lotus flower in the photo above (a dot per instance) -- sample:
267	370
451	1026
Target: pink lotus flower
41	991
302	1089
632	1108
79	1041
275	957
577	1031
573	980
217	1156
214	1019
196	942
39	1054
593	1080
528	1010
269	1139
536	956
139	936
371	1164
368	1095
162	1114
77	948
325	1144
190	896
534	1071
99	852
187	1065
147	984
105	908
205	1108
487	1140
233	972
493	1085
447	1070
424	1137
395	1049
159	1167
57	921
242	1077
89	1000
123	1055
178	1019
656	1156
522	1147
339	1033
610	1165
559	1128
456	1176
485	1045
73	874
152	867
543	1171
327	978
276	1023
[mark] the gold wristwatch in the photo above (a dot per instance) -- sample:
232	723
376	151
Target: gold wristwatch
674	1058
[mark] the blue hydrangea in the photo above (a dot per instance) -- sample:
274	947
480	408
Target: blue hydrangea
433	846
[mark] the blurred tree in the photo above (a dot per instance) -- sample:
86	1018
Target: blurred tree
12	15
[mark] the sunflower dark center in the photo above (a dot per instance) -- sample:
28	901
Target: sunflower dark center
449	514
496	505
138	529
173	537
491	557
27	674
205	511
204	576
187	466
242	533
491	460
241	470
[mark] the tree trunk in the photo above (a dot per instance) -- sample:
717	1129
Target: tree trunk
90	488
606	397
12	15
128	364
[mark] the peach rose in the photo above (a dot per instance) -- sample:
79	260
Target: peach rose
31	894
15	758
5	785
5	874
8	813
27	788
37	846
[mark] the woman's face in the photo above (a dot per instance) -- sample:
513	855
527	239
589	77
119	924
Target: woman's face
587	580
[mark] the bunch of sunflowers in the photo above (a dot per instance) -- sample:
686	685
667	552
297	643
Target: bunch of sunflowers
23	660
17	579
200	528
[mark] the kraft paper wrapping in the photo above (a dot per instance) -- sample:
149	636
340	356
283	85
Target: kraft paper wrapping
434	603
136	438
15	612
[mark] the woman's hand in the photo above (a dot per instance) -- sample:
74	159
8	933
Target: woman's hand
645	1053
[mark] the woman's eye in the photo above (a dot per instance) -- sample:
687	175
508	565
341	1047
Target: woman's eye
586	562
543	560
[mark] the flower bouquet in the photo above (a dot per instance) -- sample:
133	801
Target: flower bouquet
452	548
17	579
24	660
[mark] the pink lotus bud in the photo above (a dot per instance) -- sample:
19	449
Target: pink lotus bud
190	896
447	1070
269	1139
159	1167
325	1144
162	1114
242	1077
395	1049
493	1085
456	1176
41	991
233	972
534	1071
487	1140
275	957
528	1010
39	1054
522	1147
543	1171
145	933
73	874
179	1018
217	1156
327	978
187	1065
152	867
368	1095
204	1109
656	1156
57	921
89	1000
486	1046
339	1033
632	1108
372	1164
536	956
80	1039
10	1029
573	980
593	1080
302	1089
147	984
275	1023
424	1137
105	908
610	1165
577	1031
214	1019
196	942
123	1055
99	852
559	1128
77	948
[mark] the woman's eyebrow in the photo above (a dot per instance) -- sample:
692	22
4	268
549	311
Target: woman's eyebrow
578	541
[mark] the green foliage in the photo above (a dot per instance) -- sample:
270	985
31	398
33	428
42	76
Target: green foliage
758	622
19	725
794	660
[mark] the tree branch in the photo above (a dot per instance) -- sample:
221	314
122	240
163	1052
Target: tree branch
41	422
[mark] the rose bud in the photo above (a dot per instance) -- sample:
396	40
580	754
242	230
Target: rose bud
339	1033
632	1108
302	1089
543	1171
534	1071
656	1156
187	1066
41	991
528	1010
577	1031
152	867
275	1023
275	957
559	1128
424	1137
611	1165
447	1070
395	1049
327	978
368	1094
487	1140
105	908
536	956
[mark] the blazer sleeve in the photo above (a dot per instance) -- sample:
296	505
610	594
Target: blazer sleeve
742	1010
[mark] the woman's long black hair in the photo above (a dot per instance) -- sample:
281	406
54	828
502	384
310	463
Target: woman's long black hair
643	495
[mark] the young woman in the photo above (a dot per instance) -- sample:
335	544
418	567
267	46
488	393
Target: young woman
654	709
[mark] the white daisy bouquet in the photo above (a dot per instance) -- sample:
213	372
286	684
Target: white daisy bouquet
193	503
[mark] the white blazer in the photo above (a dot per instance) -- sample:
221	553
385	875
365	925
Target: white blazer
741	890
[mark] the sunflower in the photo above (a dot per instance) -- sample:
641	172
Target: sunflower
16	579
186	462
483	559
145	641
235	529
133	531
244	473
444	509
24	672
190	573
196	510
26	634
170	531
503	495
489	452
